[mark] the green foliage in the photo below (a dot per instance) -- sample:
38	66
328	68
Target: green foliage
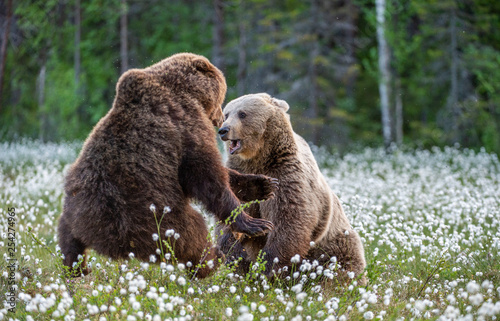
321	56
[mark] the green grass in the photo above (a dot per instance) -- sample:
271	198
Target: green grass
429	221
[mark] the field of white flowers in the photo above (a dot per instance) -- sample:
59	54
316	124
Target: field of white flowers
429	220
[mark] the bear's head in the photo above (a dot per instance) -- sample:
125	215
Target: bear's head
184	74
248	118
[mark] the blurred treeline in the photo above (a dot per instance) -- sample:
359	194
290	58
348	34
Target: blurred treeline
438	70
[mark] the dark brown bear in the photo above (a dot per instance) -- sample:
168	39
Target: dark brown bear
308	218
156	146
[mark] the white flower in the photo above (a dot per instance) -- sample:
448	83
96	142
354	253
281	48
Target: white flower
176	236
181	281
295	259
372	299
229	312
152	208
232	289
350	275
155	237
420	305
169	233
166	209
301	296
346	232
472	287
476	299
152	258
368	315
297	288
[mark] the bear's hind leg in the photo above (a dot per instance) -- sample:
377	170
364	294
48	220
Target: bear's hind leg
232	248
193	244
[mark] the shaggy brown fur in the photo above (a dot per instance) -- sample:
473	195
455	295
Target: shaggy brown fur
260	140
156	146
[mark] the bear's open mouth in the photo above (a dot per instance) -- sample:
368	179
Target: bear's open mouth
234	146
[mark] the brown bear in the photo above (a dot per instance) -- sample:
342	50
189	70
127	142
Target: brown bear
156	145
308	218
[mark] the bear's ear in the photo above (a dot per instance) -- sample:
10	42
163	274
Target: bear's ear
132	85
280	103
202	65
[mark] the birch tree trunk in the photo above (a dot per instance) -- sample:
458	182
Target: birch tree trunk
123	36
385	74
40	91
3	49
399	112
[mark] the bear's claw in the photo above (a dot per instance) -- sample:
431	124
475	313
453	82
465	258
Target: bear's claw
269	187
251	226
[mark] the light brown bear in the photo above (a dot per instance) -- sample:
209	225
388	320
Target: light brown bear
260	140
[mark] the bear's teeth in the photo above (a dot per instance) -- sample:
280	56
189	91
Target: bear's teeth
234	146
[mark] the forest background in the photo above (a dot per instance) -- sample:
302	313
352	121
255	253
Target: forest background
355	72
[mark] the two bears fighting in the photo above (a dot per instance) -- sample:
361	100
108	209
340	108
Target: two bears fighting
156	146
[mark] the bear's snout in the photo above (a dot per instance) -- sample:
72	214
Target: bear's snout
223	133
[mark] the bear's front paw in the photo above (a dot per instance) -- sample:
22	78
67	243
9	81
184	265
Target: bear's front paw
251	226
268	187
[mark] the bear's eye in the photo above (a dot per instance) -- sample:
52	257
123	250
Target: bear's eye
242	115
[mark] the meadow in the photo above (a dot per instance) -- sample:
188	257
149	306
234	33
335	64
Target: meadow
429	221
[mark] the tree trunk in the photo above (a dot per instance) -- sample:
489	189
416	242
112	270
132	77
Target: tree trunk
453	96
78	32
242	59
3	49
385	74
313	112
350	44
399	112
313	93
218	36
123	36
40	90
